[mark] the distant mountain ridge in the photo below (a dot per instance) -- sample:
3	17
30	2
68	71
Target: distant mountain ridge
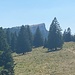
42	27
33	28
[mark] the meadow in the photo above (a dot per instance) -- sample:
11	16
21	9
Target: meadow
41	62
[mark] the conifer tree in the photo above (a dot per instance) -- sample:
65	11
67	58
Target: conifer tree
30	37
38	39
13	41
67	35
23	43
6	60
55	39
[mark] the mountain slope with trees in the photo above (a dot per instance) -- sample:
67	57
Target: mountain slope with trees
27	39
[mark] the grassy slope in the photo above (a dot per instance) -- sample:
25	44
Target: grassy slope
39	62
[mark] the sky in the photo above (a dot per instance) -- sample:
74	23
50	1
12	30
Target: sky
28	12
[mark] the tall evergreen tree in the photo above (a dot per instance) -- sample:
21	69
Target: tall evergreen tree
55	39
23	43
38	39
8	36
67	35
13	41
30	37
6	60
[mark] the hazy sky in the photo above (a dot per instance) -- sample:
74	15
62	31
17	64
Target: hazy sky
22	12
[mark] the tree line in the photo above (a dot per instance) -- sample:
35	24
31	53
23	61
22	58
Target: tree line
24	41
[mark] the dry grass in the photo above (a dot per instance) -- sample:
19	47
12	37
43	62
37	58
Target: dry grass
39	62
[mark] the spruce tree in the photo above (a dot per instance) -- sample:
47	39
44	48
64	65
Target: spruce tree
6	60
55	39
23	43
13	41
67	35
30	37
8	36
38	39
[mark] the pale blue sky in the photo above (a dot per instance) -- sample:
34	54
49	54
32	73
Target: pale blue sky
22	12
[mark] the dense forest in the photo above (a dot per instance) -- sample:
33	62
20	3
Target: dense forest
24	41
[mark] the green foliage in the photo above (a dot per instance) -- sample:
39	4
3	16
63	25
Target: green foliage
23	42
8	36
1	69
3	42
6	60
30	37
55	39
67	35
13	41
38	39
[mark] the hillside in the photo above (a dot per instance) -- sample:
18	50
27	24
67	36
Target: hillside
41	62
